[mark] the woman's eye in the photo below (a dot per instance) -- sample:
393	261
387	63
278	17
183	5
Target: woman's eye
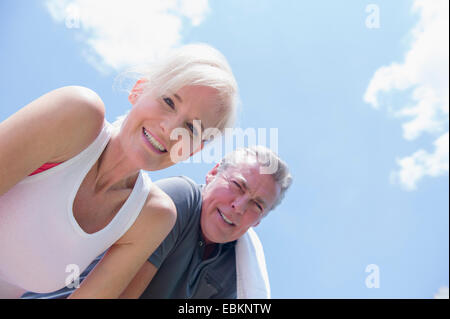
169	102
194	129
190	127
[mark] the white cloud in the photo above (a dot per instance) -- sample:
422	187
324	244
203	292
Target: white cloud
442	293
121	33
421	163
194	10
424	77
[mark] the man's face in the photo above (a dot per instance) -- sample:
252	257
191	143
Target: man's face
235	200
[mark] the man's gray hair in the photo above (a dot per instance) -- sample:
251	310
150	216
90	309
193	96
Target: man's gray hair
263	155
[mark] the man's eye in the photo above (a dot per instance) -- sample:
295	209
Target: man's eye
169	102
237	185
260	208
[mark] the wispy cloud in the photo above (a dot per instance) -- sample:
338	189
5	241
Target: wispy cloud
424	77
422	163
118	33
442	293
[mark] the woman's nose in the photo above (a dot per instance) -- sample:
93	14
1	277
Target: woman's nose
169	124
165	126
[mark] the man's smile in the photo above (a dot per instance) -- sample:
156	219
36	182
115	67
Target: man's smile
229	222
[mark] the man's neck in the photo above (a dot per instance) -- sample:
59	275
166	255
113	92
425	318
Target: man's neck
209	250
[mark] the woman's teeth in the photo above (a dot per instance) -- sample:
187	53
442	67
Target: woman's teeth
154	142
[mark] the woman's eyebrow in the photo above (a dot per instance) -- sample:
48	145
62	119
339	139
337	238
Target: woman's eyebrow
178	98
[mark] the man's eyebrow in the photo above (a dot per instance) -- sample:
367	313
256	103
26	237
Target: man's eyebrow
244	184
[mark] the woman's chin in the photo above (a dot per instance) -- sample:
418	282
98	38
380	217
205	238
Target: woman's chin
157	166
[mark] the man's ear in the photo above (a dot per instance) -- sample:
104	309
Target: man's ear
212	174
137	90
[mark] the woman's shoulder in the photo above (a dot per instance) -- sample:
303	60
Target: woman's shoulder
52	128
79	113
155	220
77	105
159	201
77	94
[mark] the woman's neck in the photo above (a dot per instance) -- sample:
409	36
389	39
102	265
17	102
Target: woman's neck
114	170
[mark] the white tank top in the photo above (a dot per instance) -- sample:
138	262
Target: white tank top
41	243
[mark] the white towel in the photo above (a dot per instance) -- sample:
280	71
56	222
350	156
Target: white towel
251	271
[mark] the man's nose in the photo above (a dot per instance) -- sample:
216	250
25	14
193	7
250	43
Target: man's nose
239	205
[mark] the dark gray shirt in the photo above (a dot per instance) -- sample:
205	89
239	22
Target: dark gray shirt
182	272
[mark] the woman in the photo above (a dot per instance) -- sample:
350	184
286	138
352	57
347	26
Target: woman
72	186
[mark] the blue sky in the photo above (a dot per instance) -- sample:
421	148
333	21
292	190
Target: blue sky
309	69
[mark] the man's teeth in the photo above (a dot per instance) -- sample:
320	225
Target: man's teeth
225	219
154	142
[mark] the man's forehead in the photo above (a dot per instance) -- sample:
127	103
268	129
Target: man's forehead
243	168
243	162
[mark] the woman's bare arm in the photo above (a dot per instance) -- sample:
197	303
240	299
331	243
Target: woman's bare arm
54	127
122	262
140	282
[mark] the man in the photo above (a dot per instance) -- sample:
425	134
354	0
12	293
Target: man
199	258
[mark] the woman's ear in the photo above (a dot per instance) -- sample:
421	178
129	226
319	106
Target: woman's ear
137	90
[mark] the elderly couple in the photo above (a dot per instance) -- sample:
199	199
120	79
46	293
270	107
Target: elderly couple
73	192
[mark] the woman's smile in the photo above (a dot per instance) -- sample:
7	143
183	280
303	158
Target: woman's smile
152	142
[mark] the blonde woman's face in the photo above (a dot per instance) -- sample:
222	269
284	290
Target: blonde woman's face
162	130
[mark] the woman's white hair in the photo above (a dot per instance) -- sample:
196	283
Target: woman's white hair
194	65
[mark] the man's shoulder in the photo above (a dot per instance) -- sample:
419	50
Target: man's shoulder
179	185
185	194
179	180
